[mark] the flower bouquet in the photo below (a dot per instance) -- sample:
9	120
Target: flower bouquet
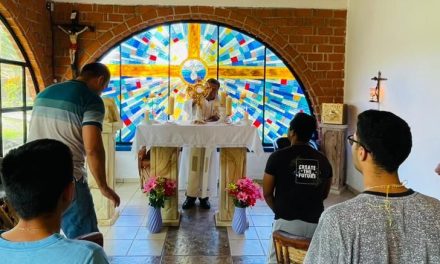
245	192
159	189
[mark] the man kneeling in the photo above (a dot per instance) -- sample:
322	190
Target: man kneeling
39	184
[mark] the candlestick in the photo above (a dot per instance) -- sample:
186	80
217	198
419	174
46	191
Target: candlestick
228	106
170	110
222	98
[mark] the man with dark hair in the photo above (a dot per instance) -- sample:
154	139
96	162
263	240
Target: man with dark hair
387	223
199	176
38	180
297	179
72	112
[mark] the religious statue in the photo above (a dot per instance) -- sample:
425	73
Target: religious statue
73	30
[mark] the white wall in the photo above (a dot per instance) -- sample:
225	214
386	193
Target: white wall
318	4
402	39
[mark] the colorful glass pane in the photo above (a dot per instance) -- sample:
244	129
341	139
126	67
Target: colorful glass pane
164	60
284	98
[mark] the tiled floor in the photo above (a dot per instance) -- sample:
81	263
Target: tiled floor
197	240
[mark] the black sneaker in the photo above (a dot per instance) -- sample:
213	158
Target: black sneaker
204	203
190	202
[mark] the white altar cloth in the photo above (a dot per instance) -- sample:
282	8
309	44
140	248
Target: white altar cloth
185	134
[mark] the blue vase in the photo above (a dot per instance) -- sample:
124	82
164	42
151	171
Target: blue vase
154	223
239	221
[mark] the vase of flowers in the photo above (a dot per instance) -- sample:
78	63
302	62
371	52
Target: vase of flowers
245	192
158	189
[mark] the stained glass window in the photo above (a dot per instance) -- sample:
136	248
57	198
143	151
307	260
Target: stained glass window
17	91
164	60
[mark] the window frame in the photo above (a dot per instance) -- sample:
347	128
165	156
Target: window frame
24	108
124	145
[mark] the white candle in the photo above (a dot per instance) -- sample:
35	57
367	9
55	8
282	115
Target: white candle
171	105
147	115
228	106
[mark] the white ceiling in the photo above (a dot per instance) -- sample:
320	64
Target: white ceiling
318	4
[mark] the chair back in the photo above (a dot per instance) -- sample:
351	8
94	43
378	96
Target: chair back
95	237
8	216
290	248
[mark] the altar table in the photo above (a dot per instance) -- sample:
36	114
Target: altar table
165	139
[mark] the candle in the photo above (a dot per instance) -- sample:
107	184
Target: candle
170	105
228	106
222	99
147	115
246	115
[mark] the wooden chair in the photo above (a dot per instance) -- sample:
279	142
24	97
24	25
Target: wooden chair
8	216
143	166
290	248
95	237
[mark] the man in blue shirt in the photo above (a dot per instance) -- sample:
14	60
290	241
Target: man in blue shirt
73	112
39	184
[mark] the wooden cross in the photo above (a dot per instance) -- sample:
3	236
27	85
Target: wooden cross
375	96
73	30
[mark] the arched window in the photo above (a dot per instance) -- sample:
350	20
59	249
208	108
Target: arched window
17	88
151	65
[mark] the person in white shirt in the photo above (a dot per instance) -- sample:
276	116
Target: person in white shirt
202	182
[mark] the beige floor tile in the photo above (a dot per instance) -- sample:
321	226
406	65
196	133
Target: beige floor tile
150	247
246	247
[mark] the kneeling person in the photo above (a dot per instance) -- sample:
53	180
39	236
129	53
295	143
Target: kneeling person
39	184
296	181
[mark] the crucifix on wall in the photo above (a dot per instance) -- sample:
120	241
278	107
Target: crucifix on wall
73	30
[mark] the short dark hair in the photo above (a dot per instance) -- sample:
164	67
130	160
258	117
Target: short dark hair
35	175
386	136
304	126
95	70
214	81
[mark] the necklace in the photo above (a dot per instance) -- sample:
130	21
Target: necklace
387	186
387	206
28	229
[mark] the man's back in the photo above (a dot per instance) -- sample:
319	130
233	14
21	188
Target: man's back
301	175
53	249
59	113
403	228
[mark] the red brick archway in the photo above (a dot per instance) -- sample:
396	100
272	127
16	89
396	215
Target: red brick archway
313	46
30	23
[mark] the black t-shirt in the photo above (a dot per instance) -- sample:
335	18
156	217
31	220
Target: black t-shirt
301	174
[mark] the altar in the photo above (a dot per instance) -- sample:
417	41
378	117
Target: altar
165	139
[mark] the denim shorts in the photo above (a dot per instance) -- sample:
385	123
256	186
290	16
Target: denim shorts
80	217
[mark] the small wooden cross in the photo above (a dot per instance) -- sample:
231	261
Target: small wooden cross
375	95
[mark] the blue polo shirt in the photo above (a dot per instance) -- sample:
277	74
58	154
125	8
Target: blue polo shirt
53	249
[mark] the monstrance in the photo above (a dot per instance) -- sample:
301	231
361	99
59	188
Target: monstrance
198	92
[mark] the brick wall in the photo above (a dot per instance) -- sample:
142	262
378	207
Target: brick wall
30	21
312	42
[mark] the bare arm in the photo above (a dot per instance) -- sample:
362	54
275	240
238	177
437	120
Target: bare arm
62	29
268	190
95	154
328	184
82	30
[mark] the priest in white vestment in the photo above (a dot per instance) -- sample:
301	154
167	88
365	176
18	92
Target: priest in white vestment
199	167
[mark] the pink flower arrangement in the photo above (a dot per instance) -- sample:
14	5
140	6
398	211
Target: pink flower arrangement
159	189
245	192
